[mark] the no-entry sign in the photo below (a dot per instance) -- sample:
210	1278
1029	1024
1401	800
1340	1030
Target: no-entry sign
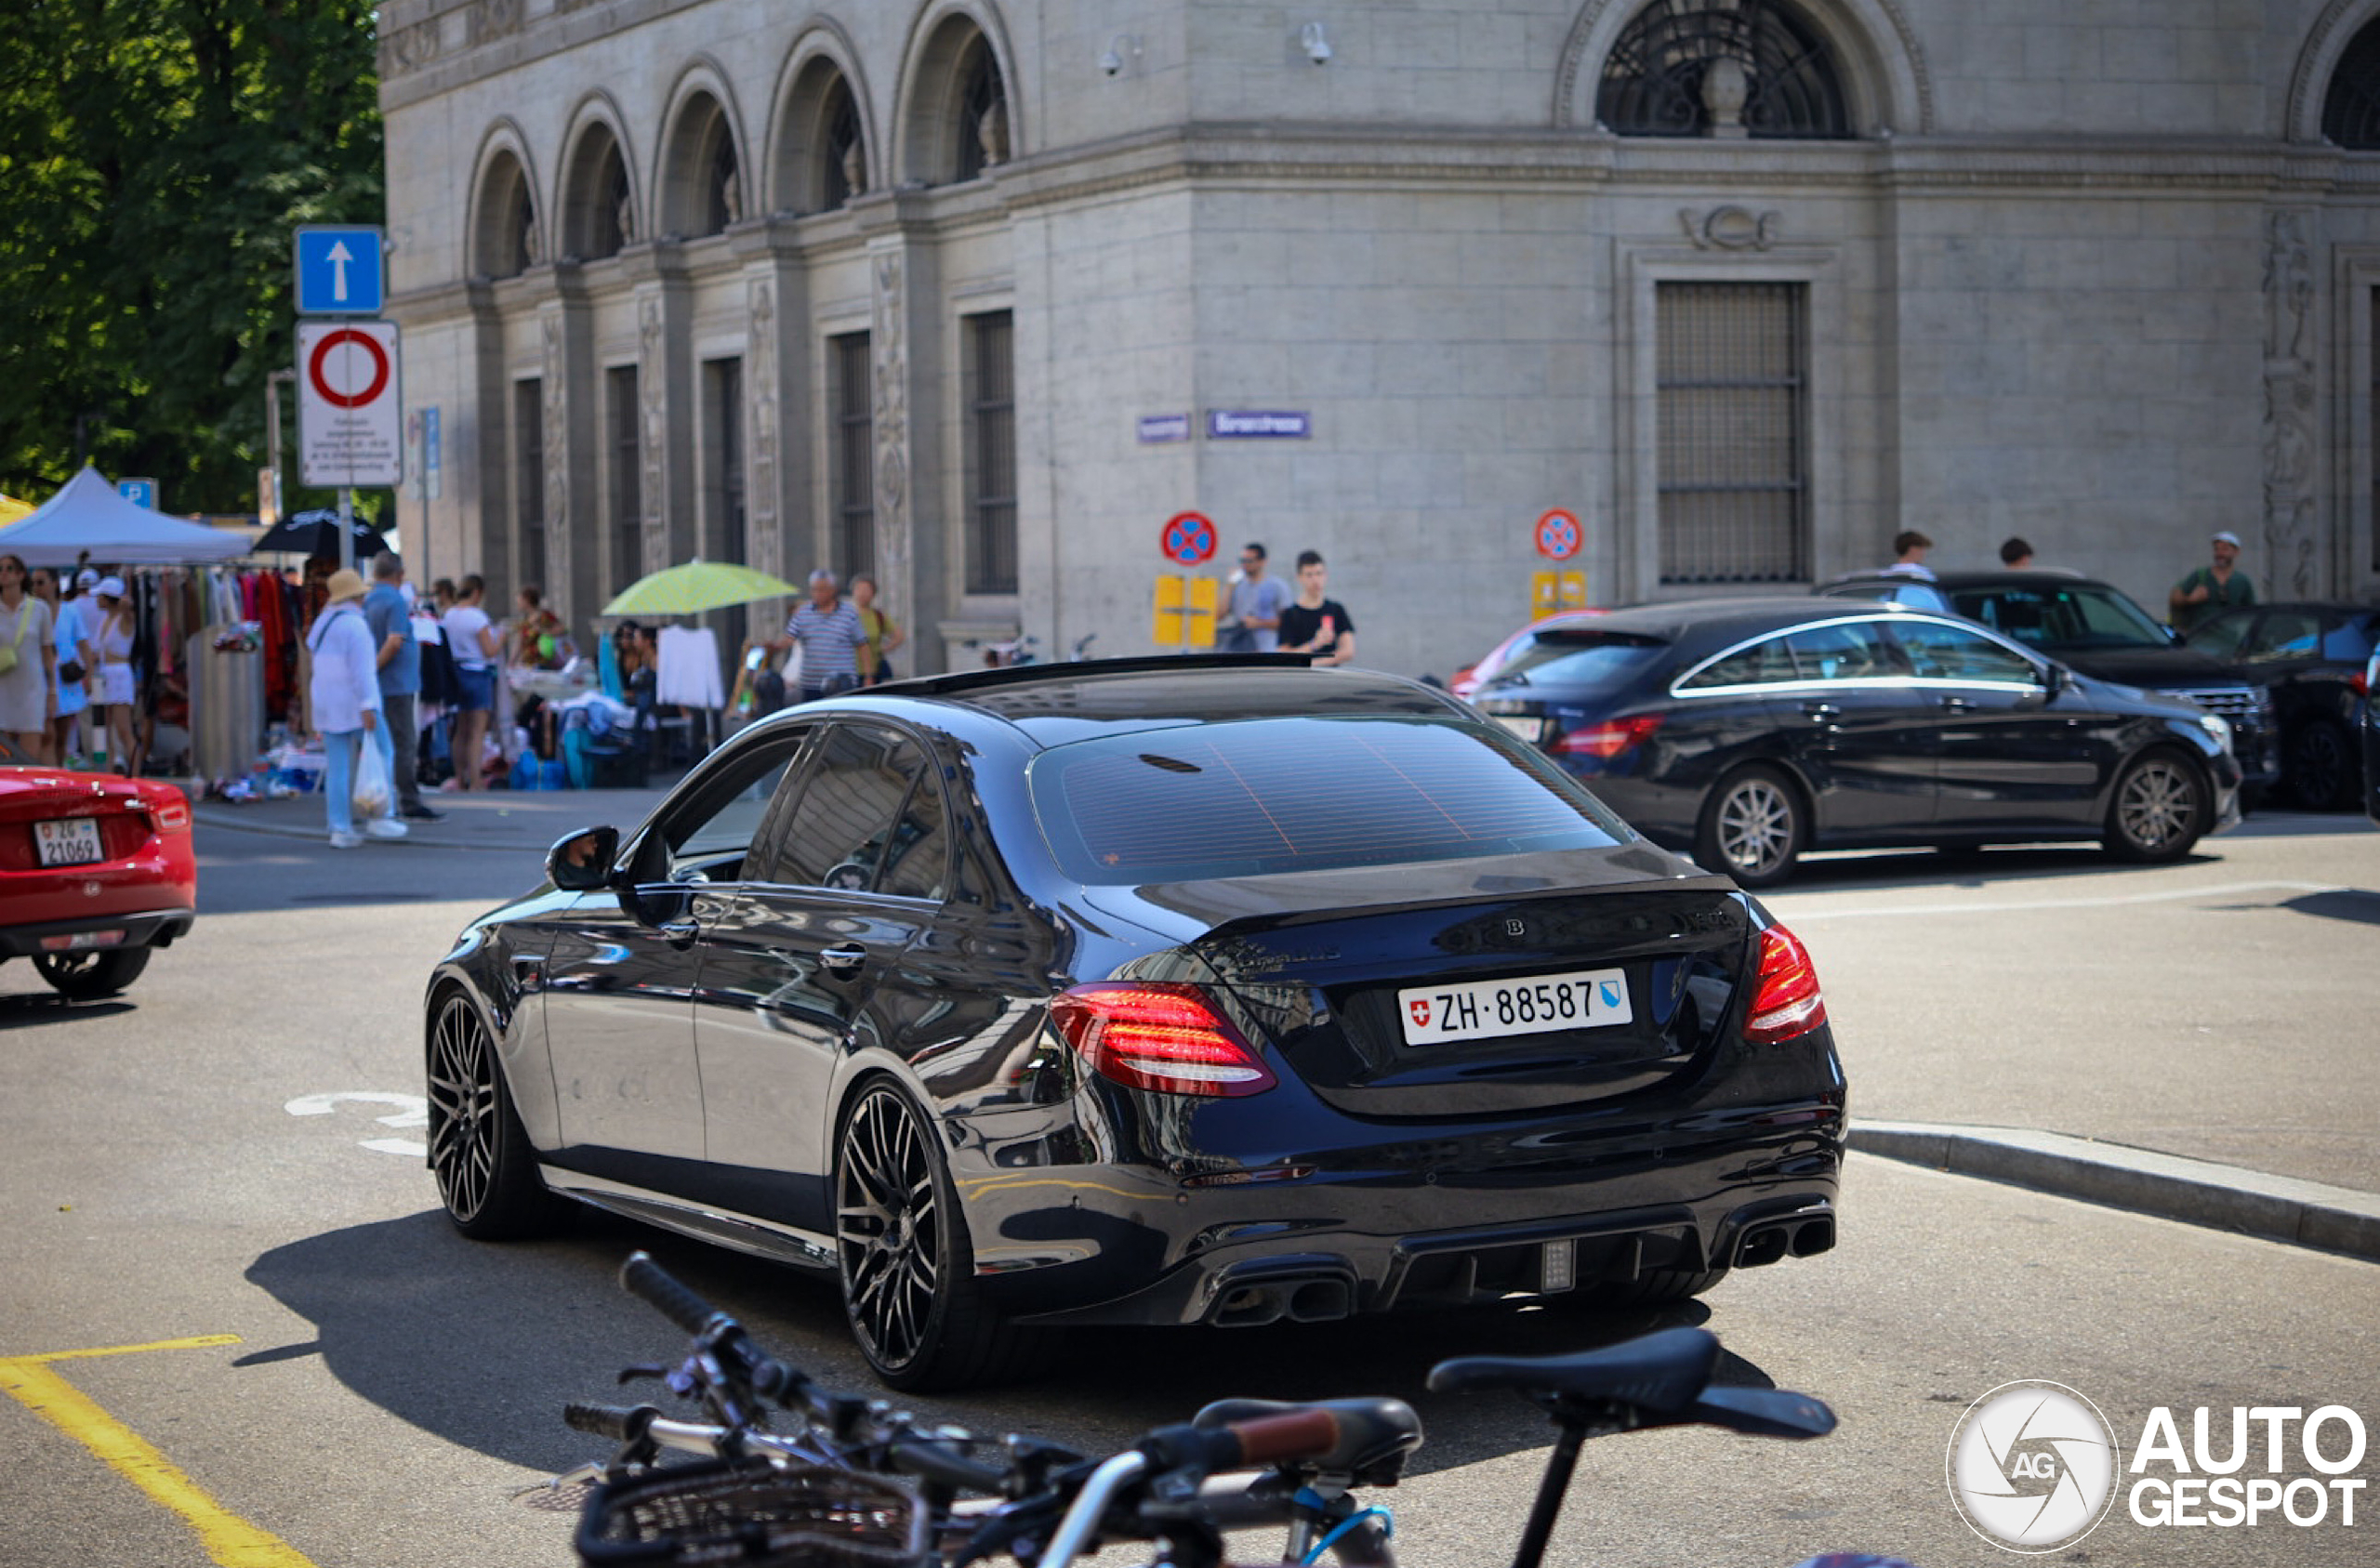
351	431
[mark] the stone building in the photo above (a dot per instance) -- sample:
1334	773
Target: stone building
918	287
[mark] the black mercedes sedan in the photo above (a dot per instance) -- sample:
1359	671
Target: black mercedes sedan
1751	730
2095	628
1165	990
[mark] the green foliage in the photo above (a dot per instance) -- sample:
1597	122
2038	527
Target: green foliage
154	155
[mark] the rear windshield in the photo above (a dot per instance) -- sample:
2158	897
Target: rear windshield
2068	618
1577	657
1259	797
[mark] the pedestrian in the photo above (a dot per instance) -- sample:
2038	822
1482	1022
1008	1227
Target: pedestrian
473	642
1252	623
884	634
397	656
441	596
827	630
28	665
344	694
74	658
2016	554
1315	625
112	640
1908	556
2220	587
537	640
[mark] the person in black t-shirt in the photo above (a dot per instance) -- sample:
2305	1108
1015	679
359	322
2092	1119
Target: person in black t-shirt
1315	625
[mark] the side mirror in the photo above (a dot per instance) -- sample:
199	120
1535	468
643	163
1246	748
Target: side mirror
2057	677
581	863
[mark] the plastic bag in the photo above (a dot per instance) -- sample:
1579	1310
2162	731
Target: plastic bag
371	791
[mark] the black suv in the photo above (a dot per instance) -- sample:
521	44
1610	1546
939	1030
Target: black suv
2092	627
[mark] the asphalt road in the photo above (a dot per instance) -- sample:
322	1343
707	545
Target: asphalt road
365	1387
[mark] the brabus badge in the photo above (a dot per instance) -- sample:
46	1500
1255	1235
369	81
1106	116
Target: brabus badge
1516	927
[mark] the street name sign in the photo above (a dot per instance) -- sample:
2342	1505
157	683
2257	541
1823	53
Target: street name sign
339	271
351	431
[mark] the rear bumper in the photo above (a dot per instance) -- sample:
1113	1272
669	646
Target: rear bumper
154	928
1465	1220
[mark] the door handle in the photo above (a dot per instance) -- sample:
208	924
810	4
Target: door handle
844	960
1822	711
1957	705
680	932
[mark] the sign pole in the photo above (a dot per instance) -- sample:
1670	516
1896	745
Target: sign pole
346	528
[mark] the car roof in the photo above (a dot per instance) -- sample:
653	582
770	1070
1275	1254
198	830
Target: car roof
1061	702
1992	577
1748	617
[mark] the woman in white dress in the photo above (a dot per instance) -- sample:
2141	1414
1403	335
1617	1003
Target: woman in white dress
116	693
29	686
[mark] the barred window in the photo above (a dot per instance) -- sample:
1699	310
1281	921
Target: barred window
1730	375
991	452
1721	67
529	480
627	476
852	475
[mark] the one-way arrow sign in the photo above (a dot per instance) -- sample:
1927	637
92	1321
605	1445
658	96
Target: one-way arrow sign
339	271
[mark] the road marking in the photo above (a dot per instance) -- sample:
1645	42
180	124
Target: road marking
2111	900
230	1540
412	1110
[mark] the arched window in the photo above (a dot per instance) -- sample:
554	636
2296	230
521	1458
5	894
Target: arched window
842	154
506	242
701	188
1721	67
598	214
2351	108
982	111
722	185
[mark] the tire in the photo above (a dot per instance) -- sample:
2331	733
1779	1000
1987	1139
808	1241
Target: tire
1754	827
83	977
2160	806
1653	1287
2319	763
487	1173
907	1266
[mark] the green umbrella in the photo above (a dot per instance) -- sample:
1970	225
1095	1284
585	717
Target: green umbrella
697	586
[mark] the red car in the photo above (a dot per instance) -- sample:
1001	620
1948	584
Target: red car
1472	676
95	872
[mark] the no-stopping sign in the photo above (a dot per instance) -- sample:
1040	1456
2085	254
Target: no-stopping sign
349	429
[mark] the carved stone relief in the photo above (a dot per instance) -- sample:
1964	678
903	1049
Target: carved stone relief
651	372
409	48
1730	228
889	344
765	544
492	20
2292	570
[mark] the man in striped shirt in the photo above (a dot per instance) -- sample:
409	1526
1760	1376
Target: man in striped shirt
828	630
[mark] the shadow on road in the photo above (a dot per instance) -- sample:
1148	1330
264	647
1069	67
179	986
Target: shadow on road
26	1008
2360	904
481	1345
1878	870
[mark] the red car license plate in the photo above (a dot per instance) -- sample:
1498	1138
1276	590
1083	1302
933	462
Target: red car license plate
69	843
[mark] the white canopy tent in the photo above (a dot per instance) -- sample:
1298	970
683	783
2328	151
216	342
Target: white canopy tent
87	515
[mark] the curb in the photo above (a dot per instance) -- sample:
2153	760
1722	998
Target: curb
2223	1197
231	819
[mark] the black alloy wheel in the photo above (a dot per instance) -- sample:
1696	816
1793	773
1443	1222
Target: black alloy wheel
2319	767
909	1288
2161	807
1752	827
487	1173
83	977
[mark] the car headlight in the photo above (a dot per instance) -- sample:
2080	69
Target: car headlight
2217	728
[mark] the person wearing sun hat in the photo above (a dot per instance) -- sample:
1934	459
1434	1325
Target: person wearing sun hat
345	693
2211	589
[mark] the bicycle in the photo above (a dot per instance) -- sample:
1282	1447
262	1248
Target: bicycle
862	1486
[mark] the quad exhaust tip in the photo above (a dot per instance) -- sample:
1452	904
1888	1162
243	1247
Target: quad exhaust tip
1299	1300
1773	1240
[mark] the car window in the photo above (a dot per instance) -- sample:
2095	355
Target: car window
1917	594
1265	796
840	822
2283	634
1576	656
1765	662
917	858
1854	652
2070	616
1946	652
2349	642
2221	636
708	831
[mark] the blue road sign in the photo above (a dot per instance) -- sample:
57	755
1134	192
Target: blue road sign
1188	539
339	271
139	492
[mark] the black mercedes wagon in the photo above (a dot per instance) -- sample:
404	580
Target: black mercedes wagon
1751	730
1164	991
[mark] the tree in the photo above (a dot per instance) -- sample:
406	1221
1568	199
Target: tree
154	156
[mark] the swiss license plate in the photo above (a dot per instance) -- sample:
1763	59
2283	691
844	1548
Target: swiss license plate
1536	1005
69	843
1531	728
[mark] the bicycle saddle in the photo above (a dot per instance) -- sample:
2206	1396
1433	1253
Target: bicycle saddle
1375	1435
1661	1380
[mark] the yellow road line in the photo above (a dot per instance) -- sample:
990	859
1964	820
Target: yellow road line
230	1540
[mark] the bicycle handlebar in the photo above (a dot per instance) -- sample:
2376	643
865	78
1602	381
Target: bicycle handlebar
650	1282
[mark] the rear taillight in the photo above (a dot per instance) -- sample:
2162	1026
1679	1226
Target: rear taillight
1609	738
173	819
1786	1003
1161	1036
